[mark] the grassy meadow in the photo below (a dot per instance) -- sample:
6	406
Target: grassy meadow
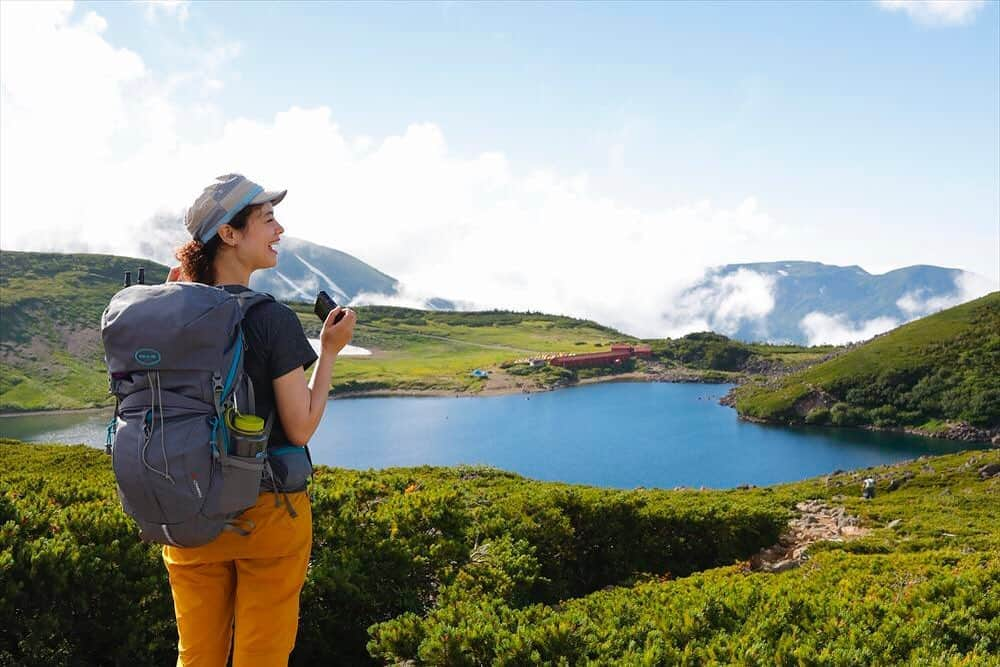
437	350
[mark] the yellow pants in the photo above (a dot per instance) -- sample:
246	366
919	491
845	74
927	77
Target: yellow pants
252	582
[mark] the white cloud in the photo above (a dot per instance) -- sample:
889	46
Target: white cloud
821	328
837	329
467	228
968	286
723	303
405	297
178	9
936	12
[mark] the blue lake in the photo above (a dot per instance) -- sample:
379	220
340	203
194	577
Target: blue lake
616	435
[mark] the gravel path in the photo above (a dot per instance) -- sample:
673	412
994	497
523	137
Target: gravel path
817	522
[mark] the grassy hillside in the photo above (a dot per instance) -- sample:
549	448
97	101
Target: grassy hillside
712	351
468	565
51	304
50	317
52	356
942	368
436	350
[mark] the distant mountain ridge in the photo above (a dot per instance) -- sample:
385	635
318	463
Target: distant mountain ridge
304	268
793	301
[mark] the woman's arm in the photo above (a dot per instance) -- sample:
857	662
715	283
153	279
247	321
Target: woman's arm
300	405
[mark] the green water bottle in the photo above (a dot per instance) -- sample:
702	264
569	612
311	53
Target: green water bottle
248	436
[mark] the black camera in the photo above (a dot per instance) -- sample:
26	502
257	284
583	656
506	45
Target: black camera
324	304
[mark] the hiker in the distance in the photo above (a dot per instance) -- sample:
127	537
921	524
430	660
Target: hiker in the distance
242	591
868	488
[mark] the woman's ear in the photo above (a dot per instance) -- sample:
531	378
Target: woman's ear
228	235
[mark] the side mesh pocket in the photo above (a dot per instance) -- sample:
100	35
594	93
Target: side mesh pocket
235	485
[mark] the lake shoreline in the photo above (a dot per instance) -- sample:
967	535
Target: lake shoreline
678	375
672	375
956	431
58	411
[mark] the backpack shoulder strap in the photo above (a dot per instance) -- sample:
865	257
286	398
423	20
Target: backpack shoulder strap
249	298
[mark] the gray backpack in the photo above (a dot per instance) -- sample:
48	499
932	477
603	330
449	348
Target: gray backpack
175	366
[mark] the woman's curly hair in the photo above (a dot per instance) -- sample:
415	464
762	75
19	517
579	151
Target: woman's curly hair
198	259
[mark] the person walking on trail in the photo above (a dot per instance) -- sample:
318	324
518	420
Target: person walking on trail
868	488
241	592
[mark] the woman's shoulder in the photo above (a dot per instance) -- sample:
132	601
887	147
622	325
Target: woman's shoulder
273	310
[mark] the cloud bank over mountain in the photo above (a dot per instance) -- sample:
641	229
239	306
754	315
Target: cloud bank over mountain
812	303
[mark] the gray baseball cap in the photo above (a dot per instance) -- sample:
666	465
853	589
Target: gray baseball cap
221	201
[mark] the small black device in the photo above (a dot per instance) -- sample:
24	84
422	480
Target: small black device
324	304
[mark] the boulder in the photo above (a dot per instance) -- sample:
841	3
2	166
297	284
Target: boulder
989	470
784	566
897	482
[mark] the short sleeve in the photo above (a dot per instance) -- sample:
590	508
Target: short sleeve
288	346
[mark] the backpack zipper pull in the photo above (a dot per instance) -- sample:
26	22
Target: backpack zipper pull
217	388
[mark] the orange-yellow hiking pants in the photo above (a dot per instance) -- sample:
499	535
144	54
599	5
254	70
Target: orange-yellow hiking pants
251	581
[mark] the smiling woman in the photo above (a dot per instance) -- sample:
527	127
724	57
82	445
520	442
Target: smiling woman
243	589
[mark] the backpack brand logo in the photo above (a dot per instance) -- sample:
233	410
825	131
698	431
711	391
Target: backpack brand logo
147	356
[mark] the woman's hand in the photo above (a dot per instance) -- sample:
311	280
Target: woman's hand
174	275
334	337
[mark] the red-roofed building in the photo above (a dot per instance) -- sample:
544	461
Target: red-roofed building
619	354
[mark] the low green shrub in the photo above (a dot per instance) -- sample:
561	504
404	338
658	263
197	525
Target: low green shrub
835	610
818	416
843	414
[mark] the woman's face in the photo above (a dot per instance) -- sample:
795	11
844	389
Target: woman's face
257	243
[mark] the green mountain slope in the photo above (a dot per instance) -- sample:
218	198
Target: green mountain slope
941	368
473	566
50	316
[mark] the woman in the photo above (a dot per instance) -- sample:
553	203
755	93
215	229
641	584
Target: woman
252	581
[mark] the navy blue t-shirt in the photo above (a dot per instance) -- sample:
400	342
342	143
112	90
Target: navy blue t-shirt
276	344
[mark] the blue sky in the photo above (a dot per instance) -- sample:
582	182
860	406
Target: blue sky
791	101
842	132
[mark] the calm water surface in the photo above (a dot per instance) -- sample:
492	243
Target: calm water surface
618	435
